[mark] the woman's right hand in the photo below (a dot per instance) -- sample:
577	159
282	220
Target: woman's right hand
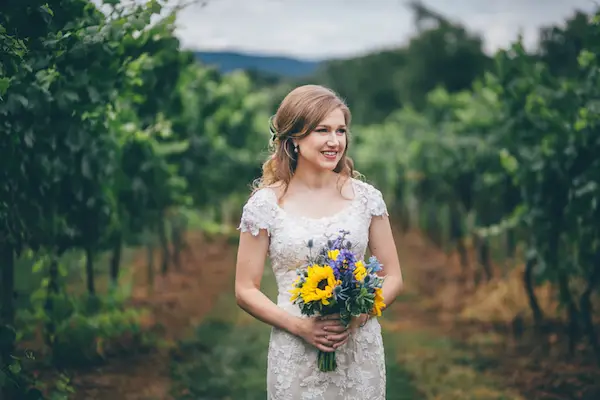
325	333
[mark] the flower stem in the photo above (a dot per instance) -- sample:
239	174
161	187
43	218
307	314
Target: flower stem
326	361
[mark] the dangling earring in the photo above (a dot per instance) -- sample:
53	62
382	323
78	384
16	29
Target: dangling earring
295	148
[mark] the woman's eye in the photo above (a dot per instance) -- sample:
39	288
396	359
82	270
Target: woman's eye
324	130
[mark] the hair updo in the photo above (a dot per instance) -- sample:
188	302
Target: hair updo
298	115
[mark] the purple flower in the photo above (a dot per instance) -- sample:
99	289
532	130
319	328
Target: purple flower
348	256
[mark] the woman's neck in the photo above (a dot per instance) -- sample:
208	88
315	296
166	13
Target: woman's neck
313	179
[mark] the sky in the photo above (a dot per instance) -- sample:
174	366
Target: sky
322	29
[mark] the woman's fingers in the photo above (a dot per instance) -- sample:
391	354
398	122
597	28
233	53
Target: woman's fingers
329	330
338	337
325	342
334	328
326	349
330	334
332	340
340	344
322	333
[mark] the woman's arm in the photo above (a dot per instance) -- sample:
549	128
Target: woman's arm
252	253
382	246
324	334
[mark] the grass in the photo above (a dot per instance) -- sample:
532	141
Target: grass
221	361
442	369
227	357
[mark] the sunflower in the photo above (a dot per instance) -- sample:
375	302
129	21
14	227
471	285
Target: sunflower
360	271
296	290
319	284
378	305
333	254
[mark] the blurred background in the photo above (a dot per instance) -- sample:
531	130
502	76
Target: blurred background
130	132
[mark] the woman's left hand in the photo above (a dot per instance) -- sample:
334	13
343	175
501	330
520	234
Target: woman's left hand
359	321
355	323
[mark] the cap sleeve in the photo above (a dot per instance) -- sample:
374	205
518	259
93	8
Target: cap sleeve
258	212
373	199
377	206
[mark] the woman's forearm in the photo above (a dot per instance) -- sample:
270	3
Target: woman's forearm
255	303
392	286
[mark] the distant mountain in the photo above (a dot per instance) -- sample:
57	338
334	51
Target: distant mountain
275	65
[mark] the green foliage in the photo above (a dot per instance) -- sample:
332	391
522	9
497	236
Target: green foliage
219	115
516	154
119	139
222	361
109	128
89	328
83	340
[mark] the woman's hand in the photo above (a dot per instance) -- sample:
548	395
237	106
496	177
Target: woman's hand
358	322
325	333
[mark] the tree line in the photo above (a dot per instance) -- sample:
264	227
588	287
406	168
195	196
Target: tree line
513	158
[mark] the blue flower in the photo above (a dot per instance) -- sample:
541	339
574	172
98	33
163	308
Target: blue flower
374	265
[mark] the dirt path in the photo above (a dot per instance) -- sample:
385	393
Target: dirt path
455	358
180	300
433	353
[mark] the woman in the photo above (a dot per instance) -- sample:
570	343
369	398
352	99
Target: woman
308	191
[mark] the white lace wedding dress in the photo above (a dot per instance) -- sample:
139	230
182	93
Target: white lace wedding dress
292	363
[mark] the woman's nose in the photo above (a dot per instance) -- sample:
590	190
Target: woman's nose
333	139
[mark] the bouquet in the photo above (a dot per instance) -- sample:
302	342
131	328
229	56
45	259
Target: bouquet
335	281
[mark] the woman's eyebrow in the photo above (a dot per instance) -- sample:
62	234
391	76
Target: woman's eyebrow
329	126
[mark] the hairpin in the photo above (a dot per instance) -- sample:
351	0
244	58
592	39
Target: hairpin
272	128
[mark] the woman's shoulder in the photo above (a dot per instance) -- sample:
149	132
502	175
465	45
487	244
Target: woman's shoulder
370	196
265	195
364	187
260	210
271	191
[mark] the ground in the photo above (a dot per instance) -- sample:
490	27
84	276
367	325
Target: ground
178	303
429	355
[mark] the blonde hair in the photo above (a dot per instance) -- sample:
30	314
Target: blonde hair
298	115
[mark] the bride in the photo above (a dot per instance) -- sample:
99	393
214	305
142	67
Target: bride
309	191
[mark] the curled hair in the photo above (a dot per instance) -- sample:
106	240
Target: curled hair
298	115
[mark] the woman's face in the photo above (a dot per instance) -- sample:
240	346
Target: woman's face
324	146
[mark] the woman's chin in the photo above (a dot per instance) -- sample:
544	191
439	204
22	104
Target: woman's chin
329	165
324	164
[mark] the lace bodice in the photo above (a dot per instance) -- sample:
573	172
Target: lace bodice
289	235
